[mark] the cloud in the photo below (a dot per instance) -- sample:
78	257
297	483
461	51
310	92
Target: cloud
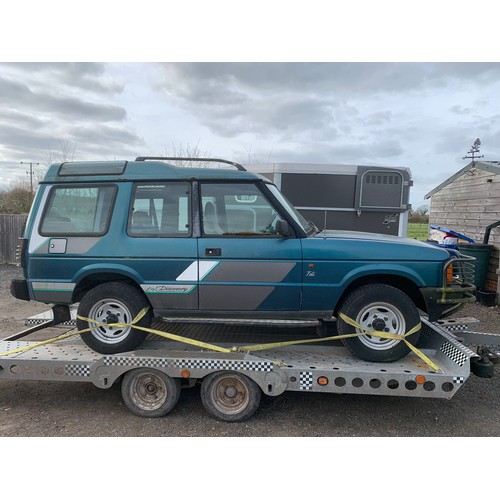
282	101
346	78
460	110
16	95
382	152
89	76
105	141
44	104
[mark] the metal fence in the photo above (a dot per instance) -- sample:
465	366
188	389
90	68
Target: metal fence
11	229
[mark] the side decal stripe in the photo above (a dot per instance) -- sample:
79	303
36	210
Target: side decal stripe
203	267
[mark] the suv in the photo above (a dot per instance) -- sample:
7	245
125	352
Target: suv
119	236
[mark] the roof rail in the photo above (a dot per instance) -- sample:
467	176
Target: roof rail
175	158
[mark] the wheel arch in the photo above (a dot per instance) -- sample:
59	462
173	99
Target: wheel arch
92	278
402	283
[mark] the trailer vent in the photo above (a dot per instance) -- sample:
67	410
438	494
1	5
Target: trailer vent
381	189
382	179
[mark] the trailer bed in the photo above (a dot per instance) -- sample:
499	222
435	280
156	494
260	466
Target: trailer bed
317	367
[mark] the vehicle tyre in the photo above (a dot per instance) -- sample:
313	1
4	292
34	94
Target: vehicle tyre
108	303
378	307
230	396
150	393
482	367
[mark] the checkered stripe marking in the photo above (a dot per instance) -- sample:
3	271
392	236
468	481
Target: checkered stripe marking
146	362
305	381
204	364
453	341
454	354
77	370
458	380
454	328
211	364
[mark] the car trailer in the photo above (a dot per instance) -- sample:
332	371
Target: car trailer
232	382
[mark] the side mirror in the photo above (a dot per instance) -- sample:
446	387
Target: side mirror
283	228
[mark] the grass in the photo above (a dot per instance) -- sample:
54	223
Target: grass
418	231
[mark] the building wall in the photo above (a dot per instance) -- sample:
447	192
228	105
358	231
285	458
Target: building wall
468	205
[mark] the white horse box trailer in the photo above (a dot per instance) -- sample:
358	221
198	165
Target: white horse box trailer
348	197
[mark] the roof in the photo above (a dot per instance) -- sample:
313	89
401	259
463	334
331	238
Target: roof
488	166
136	171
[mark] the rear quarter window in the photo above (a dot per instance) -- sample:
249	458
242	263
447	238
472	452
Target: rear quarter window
78	211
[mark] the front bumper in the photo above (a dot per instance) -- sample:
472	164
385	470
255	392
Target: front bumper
456	290
443	301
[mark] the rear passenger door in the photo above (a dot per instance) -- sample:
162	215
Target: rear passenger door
244	264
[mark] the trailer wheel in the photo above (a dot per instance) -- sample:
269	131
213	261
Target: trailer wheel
230	396
113	303
482	367
150	393
381	308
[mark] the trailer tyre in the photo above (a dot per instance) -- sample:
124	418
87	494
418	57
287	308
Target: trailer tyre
379	307
150	393
109	303
230	396
482	367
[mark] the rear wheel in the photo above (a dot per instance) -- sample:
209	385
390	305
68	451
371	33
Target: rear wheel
110	303
230	396
383	308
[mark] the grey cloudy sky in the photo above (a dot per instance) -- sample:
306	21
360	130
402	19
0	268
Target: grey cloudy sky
421	115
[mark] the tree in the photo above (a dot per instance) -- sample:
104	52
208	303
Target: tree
66	152
420	215
16	199
189	151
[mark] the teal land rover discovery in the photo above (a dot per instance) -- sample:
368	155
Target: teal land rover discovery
119	236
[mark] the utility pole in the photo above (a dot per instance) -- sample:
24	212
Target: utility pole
31	163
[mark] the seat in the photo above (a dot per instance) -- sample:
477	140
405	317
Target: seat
142	221
210	222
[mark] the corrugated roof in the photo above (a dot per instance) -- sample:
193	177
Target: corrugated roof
488	166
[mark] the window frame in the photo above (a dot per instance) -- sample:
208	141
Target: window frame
265	193
136	185
54	188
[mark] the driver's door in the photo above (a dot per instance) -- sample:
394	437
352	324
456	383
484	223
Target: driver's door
244	265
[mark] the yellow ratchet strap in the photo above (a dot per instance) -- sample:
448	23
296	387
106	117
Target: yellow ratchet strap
248	348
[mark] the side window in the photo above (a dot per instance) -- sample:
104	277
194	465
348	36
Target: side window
78	211
161	210
237	209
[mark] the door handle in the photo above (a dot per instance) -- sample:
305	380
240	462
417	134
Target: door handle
213	252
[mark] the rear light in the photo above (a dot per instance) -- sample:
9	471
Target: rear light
21	251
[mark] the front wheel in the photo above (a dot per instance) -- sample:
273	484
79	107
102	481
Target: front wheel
383	308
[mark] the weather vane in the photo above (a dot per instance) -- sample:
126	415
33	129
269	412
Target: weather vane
473	150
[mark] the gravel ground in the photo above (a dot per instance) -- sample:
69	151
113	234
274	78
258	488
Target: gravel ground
33	408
